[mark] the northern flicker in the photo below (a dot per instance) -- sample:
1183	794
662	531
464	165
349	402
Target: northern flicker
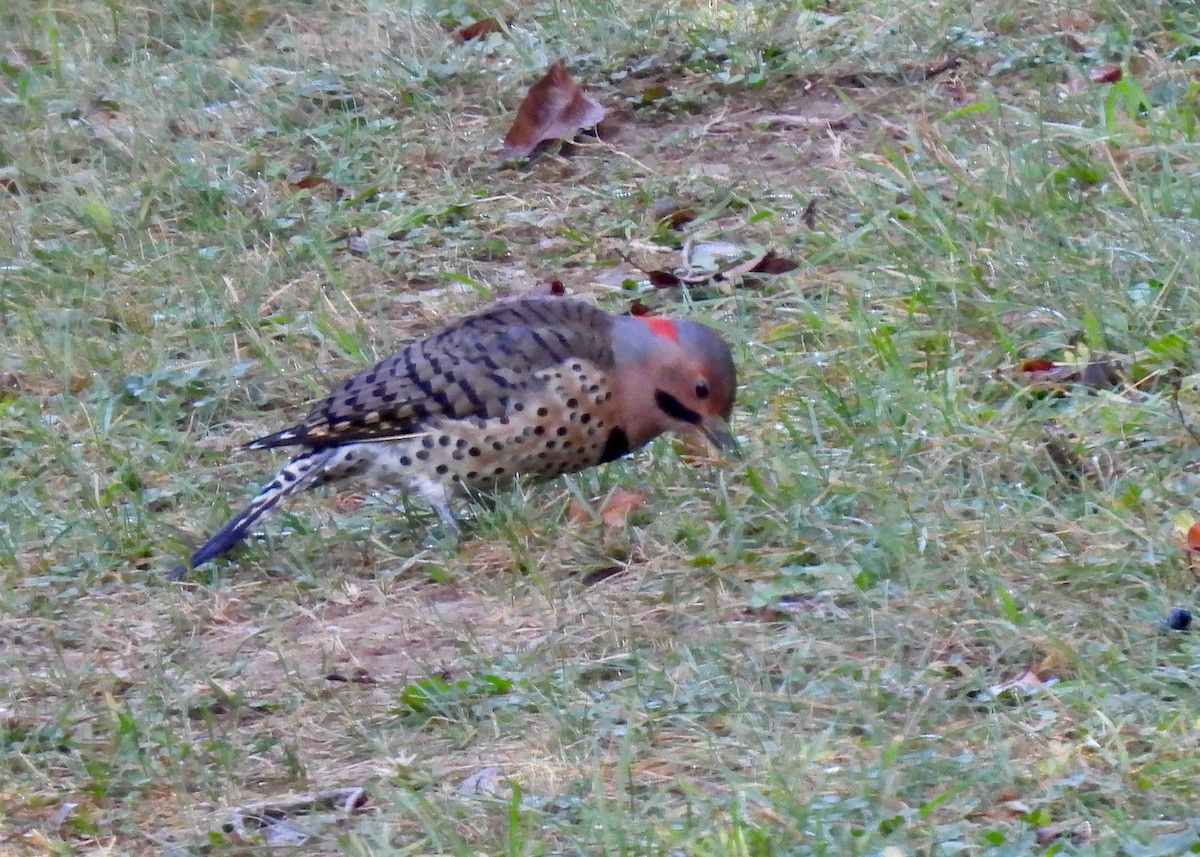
534	386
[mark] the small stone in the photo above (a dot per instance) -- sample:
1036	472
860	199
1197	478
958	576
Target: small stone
1179	619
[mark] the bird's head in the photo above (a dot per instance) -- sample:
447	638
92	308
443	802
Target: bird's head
673	376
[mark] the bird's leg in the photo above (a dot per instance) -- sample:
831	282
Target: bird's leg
434	493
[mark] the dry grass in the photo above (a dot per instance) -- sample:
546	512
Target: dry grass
787	654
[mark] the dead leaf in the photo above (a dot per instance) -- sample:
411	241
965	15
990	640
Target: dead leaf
356	244
599	575
309	180
662	279
768	262
8	179
617	507
1073	44
555	108
673	214
1074	20
773	263
637	308
267	816
809	217
1101	375
1036	364
1023	684
480	29
613	512
722	260
485	781
1076	830
359	676
214	443
654	92
548	288
1107	73
1063	453
23	59
348	501
1193	537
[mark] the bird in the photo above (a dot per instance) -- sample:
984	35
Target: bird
532	386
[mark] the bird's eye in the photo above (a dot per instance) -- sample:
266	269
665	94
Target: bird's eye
701	390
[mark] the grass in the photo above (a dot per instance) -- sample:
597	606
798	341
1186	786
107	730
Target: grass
798	653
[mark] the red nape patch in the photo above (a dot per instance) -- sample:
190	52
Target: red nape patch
661	327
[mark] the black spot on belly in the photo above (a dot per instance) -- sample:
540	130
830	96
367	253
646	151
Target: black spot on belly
617	446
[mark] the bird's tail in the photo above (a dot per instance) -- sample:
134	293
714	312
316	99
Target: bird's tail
306	470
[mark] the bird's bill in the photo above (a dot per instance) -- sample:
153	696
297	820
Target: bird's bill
718	433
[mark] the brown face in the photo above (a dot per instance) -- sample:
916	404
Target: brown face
702	394
675	376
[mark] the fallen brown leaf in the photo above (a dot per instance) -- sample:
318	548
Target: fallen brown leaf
613	512
674	214
599	575
1024	684
480	29
809	217
1107	73
348	501
548	288
1101	375
1076	831
662	279
1193	537
654	92
1036	364
617	507
773	263
555	108
309	180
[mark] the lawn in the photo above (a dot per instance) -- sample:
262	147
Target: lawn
923	613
